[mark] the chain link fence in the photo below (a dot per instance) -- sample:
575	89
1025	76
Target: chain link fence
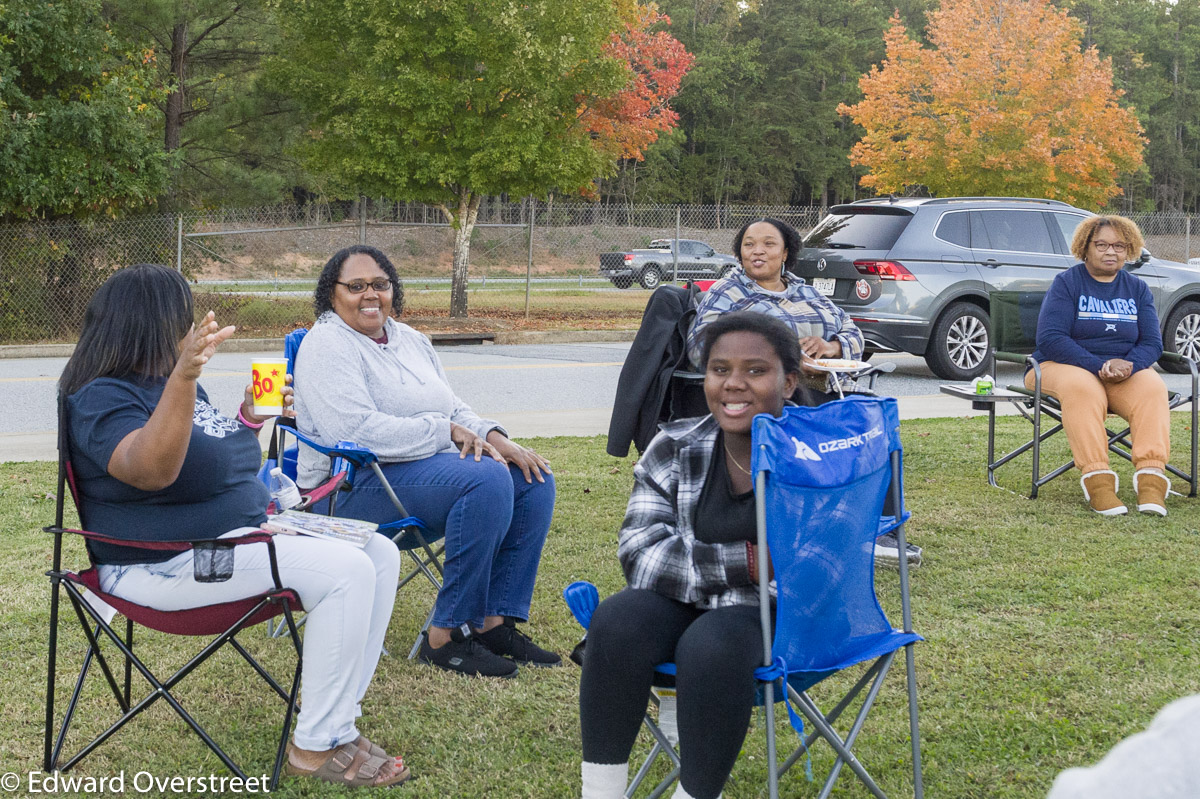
256	266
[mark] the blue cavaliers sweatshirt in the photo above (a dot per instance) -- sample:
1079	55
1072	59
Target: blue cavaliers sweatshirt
1084	322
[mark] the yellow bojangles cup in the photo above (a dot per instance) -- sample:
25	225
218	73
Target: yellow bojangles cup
268	387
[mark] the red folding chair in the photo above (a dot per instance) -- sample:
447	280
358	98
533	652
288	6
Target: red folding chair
224	620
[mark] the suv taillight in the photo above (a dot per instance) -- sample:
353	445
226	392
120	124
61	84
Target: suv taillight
628	257
884	270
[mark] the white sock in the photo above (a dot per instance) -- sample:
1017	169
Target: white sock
604	780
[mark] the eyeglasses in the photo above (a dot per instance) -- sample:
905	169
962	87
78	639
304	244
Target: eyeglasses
1119	247
359	286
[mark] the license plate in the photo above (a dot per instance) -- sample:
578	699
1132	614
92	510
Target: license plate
824	285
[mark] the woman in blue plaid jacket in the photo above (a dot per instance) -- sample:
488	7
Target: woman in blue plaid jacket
687	549
768	249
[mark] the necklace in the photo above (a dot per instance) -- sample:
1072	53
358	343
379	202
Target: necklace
741	468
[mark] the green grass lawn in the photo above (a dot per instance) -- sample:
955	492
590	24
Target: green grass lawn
1052	634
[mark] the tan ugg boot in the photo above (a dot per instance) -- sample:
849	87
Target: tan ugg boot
1151	487
1100	488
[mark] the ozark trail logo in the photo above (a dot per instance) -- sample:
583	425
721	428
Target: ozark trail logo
804	451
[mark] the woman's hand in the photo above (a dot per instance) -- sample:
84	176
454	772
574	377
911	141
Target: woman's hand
467	441
289	399
1115	370
815	347
199	345
529	462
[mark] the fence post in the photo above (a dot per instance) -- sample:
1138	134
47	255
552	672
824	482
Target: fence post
179	242
1187	241
362	219
675	255
529	263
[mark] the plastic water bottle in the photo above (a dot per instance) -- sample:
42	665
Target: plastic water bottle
667	719
284	490
338	463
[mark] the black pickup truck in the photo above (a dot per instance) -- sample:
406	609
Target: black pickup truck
649	267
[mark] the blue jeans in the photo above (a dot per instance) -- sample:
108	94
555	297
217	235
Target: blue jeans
494	523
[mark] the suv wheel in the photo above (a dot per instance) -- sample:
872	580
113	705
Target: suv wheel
651	277
958	345
1182	335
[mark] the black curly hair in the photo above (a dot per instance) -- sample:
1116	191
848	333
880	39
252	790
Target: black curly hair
781	337
791	240
323	295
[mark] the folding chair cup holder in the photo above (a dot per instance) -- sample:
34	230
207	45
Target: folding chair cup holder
1014	331
224	621
819	520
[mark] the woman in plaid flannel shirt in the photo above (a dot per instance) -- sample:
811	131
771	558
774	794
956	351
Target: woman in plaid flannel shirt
687	549
768	249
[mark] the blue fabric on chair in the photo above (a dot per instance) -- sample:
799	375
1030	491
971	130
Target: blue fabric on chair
830	463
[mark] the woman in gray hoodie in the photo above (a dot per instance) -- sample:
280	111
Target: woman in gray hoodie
362	376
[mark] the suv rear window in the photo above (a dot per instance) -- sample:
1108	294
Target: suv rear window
858	231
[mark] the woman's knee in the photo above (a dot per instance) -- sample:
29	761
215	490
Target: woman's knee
620	627
720	649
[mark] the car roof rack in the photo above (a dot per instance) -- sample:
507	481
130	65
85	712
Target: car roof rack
948	200
901	201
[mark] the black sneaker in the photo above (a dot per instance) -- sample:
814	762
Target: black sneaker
508	641
887	551
466	654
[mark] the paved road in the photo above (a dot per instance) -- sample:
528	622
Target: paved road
546	389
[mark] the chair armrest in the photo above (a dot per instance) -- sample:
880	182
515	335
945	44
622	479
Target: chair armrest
259	536
1011	357
256	537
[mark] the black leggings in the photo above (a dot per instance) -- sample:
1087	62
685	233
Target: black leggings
715	654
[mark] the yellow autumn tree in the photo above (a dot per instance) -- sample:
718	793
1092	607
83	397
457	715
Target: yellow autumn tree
1004	101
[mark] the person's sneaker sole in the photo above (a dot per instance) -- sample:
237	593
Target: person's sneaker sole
1152	508
1120	510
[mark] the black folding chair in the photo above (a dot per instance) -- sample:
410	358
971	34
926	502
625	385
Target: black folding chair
1014	333
224	621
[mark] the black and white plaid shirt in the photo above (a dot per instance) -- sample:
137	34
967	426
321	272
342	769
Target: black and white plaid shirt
658	547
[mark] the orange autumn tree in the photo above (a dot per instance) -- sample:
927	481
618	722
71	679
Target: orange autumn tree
625	124
1003	102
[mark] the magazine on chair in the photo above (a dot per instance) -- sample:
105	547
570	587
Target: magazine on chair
294	522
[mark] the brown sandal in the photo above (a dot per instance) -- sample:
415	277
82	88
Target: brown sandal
353	766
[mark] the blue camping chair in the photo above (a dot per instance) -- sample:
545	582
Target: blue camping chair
409	533
821	476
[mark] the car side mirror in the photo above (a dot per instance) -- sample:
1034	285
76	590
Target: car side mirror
1140	261
710	253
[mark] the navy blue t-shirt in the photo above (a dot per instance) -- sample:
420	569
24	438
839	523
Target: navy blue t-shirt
217	489
1084	322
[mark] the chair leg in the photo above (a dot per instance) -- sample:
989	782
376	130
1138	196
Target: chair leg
47	760
416	647
814	716
859	719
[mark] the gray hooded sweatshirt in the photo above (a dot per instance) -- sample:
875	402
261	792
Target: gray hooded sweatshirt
392	398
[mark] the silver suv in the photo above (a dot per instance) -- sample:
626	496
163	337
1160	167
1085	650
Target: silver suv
914	273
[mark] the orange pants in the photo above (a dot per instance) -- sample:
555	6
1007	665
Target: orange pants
1140	399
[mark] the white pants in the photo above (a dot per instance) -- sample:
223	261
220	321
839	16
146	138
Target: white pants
348	593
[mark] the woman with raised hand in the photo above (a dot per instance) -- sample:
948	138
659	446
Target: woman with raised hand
687	546
155	461
366	378
1098	339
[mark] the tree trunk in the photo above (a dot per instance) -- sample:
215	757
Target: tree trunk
173	134
463	222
